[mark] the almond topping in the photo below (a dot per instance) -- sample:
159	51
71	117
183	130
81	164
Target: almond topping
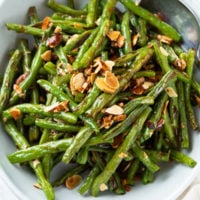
73	181
180	64
76	82
15	113
37	185
46	56
111	80
135	39
171	92
121	41
58	29
57	107
147	84
45	23
114	110
103	187
100	82
164	39
113	35
123	155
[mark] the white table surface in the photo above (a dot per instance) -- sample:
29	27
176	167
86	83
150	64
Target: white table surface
191	193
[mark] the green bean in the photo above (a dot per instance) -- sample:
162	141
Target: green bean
76	40
19	28
189	110
182	158
147	176
90	53
55	91
70	172
27	58
88	100
64	9
89	180
125	28
163	27
132	171
85	47
8	79
80	139
92	12
56	126
50	68
158	156
22	143
153	121
38	151
35	66
114	162
169	129
41	110
183	117
144	158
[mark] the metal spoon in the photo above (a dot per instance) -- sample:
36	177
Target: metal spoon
180	16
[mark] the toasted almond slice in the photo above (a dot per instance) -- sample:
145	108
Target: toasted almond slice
164	39
113	35
171	92
114	110
73	181
78	80
110	64
180	64
17	89
15	113
57	107
147	84
45	23
111	80
58	29
135	39
100	83
123	155
46	56
120	41
103	187
37	185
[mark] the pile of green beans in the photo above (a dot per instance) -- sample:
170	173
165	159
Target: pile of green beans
156	93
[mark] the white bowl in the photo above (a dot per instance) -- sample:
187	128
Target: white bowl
170	181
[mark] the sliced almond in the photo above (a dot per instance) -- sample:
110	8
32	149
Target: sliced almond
15	113
119	118
103	187
114	110
76	82
111	80
120	41
171	92
57	107
123	155
17	89
180	64
135	39
45	23
147	85
113	35
165	39
100	83
73	181
58	29
109	65
46	56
